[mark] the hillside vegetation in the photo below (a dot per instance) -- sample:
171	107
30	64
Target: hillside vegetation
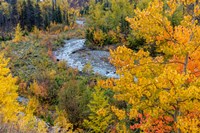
154	46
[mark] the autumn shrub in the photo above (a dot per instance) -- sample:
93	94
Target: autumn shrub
62	64
9	106
66	28
89	35
73	98
87	68
22	87
99	37
55	28
95	37
39	90
160	124
112	37
36	32
15	117
58	41
61	120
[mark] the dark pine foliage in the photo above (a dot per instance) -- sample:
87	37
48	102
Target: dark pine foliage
29	15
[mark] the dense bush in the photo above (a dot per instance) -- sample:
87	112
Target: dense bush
106	21
73	98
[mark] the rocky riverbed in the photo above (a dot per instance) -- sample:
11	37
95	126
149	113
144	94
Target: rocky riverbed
77	55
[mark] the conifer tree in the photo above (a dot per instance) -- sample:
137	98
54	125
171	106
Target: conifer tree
58	15
100	117
38	16
14	12
18	34
23	15
30	22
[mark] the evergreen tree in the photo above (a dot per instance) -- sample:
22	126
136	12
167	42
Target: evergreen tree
38	17
53	16
46	21
30	22
100	117
18	34
14	12
23	15
58	15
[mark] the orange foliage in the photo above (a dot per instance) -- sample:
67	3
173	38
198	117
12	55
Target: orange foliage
23	87
162	124
193	64
39	89
190	122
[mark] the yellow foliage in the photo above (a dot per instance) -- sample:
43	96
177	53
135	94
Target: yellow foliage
156	28
121	114
66	28
41	127
99	37
62	121
28	122
100	116
10	110
36	32
113	35
39	90
88	68
18	34
153	86
157	85
3	45
9	106
189	123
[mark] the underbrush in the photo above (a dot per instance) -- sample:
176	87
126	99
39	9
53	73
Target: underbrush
51	82
63	95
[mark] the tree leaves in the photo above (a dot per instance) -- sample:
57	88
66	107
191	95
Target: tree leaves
166	85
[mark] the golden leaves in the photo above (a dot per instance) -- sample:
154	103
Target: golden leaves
10	110
121	114
39	89
9	106
18	34
153	85
166	85
62	121
153	24
190	122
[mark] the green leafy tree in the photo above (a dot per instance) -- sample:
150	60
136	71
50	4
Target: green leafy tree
109	16
100	117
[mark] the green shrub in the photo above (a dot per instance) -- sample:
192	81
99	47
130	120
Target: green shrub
73	98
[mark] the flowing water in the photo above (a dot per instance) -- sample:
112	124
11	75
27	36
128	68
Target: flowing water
77	55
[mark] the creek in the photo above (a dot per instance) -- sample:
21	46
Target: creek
77	55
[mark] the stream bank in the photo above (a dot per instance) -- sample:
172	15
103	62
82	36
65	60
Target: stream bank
77	55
